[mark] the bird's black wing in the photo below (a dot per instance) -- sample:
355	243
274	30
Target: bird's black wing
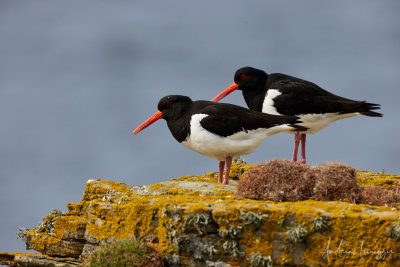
227	119
302	97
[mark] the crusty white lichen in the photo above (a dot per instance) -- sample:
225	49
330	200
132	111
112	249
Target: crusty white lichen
319	224
395	232
297	234
257	259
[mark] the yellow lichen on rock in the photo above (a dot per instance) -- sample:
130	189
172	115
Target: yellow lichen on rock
237	170
193	220
68	224
365	178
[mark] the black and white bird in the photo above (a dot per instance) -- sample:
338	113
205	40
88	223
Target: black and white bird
217	130
281	94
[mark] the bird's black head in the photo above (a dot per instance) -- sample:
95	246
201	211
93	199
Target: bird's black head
174	106
170	108
250	79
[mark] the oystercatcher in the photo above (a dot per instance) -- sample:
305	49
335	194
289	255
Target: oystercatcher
217	130
281	94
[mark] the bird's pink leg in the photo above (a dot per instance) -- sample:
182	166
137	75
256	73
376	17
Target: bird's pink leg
228	169
296	146
303	149
221	171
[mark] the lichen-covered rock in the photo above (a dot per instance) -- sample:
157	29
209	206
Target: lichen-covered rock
35	260
194	221
365	178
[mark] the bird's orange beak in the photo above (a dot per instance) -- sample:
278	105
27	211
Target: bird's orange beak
158	115
234	86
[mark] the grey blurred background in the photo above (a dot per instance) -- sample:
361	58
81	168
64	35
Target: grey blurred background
76	77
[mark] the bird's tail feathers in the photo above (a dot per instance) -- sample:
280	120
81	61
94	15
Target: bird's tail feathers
369	107
364	108
371	114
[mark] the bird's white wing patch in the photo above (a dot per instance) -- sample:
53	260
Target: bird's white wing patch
268	105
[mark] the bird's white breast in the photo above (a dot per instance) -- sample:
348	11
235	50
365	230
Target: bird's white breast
219	147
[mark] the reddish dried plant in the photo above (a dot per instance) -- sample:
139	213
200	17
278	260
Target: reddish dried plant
375	195
335	181
276	180
280	180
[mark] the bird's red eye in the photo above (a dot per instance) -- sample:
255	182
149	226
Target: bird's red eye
243	76
169	104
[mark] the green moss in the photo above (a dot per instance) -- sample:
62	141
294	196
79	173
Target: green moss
124	253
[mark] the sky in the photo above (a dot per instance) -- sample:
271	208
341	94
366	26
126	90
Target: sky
76	77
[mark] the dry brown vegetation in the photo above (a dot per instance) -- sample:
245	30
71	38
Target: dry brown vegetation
280	180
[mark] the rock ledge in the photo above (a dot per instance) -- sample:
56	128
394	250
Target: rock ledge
193	221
